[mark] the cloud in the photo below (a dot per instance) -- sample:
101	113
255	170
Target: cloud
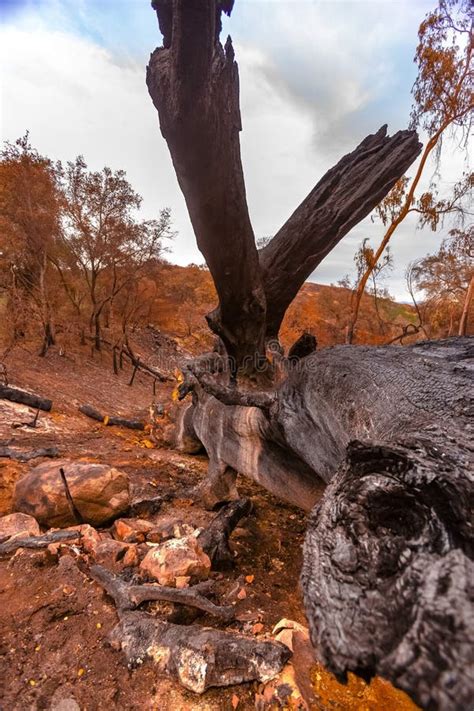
315	79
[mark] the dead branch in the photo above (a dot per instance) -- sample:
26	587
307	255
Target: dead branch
111	420
229	395
129	597
36	542
10	453
198	657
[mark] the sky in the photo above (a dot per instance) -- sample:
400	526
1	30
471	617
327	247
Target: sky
316	77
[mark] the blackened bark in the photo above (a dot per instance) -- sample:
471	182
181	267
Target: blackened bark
342	198
25	398
194	84
199	657
388	551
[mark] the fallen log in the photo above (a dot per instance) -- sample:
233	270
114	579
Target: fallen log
111	420
198	657
10	453
36	542
128	597
397	505
25	398
214	540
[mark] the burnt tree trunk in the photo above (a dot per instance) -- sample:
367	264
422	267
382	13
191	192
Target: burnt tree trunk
380	440
376	438
194	84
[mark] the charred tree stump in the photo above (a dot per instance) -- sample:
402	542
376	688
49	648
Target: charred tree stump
389	542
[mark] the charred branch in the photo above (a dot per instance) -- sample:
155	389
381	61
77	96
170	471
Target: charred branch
111	420
10	453
129	597
194	84
36	542
25	398
342	198
198	657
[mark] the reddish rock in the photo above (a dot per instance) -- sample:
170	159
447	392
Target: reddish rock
131	530
18	524
177	558
131	557
110	554
99	493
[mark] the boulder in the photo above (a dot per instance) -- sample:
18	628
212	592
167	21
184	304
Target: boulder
176	559
17	524
88	493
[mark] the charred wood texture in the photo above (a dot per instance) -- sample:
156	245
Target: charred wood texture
199	657
388	564
214	540
388	553
194	84
25	398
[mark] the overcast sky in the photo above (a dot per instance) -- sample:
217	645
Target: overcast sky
316	78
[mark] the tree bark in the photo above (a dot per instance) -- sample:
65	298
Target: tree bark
388	429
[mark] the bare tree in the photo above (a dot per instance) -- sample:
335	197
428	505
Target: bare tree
193	82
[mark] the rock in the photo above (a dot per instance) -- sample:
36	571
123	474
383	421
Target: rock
10	472
292	688
17	524
68	704
177	558
90	537
131	557
115	555
131	530
98	493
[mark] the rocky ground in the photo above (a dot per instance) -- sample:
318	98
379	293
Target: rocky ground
56	620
